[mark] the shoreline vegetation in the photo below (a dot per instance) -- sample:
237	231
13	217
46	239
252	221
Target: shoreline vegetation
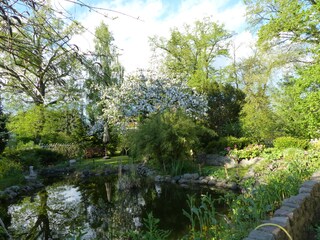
264	182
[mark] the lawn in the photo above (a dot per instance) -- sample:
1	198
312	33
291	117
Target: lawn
97	163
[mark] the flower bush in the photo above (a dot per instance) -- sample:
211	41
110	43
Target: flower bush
251	151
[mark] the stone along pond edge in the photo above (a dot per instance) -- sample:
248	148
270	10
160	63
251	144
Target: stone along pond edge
296	215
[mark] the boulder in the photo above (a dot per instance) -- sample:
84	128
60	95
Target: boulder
190	176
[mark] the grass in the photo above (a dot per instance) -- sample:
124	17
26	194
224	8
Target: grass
97	163
221	173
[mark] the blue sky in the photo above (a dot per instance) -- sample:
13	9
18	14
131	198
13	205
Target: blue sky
157	18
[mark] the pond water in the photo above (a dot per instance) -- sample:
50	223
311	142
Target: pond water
96	209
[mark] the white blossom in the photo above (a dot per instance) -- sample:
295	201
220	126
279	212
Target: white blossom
143	94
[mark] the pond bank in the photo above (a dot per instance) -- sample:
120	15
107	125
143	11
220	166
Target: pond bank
11	194
144	171
297	214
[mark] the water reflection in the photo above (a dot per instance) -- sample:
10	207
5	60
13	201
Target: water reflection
96	209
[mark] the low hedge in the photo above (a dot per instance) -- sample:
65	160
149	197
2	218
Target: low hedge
290	142
36	157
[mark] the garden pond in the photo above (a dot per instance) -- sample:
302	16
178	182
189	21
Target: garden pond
94	208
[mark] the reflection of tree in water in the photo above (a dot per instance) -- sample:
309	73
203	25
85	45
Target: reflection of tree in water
41	226
112	213
95	209
53	214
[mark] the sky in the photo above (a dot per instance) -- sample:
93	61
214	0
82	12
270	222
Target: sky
132	22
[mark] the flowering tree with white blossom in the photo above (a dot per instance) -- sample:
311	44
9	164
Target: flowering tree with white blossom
144	94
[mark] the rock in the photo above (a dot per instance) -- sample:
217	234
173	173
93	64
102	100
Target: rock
212	182
158	178
191	176
221	184
231	164
233	186
167	179
72	162
15	189
194	181
248	162
176	179
217	160
204	181
183	181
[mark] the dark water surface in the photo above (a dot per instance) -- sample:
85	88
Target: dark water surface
95	209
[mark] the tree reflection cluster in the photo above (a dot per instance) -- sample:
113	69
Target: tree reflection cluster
96	208
86	210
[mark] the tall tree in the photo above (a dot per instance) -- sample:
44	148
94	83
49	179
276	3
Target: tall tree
293	25
104	70
297	103
257	117
225	103
190	54
285	21
37	61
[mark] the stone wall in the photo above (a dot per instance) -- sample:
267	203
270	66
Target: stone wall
296	215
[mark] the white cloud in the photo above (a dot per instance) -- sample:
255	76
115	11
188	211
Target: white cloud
132	35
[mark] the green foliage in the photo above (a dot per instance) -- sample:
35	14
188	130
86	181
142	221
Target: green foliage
202	218
297	103
36	157
189	54
251	151
290	142
317	230
180	167
225	103
279	20
165	138
104	70
292	25
68	151
40	124
224	143
9	168
258	202
315	145
152	230
39	66
257	118
4	136
272	153
291	154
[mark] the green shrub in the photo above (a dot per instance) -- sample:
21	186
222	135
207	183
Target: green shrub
251	151
181	167
165	138
152	230
36	157
202	218
272	154
220	145
9	168
290	142
69	151
290	154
